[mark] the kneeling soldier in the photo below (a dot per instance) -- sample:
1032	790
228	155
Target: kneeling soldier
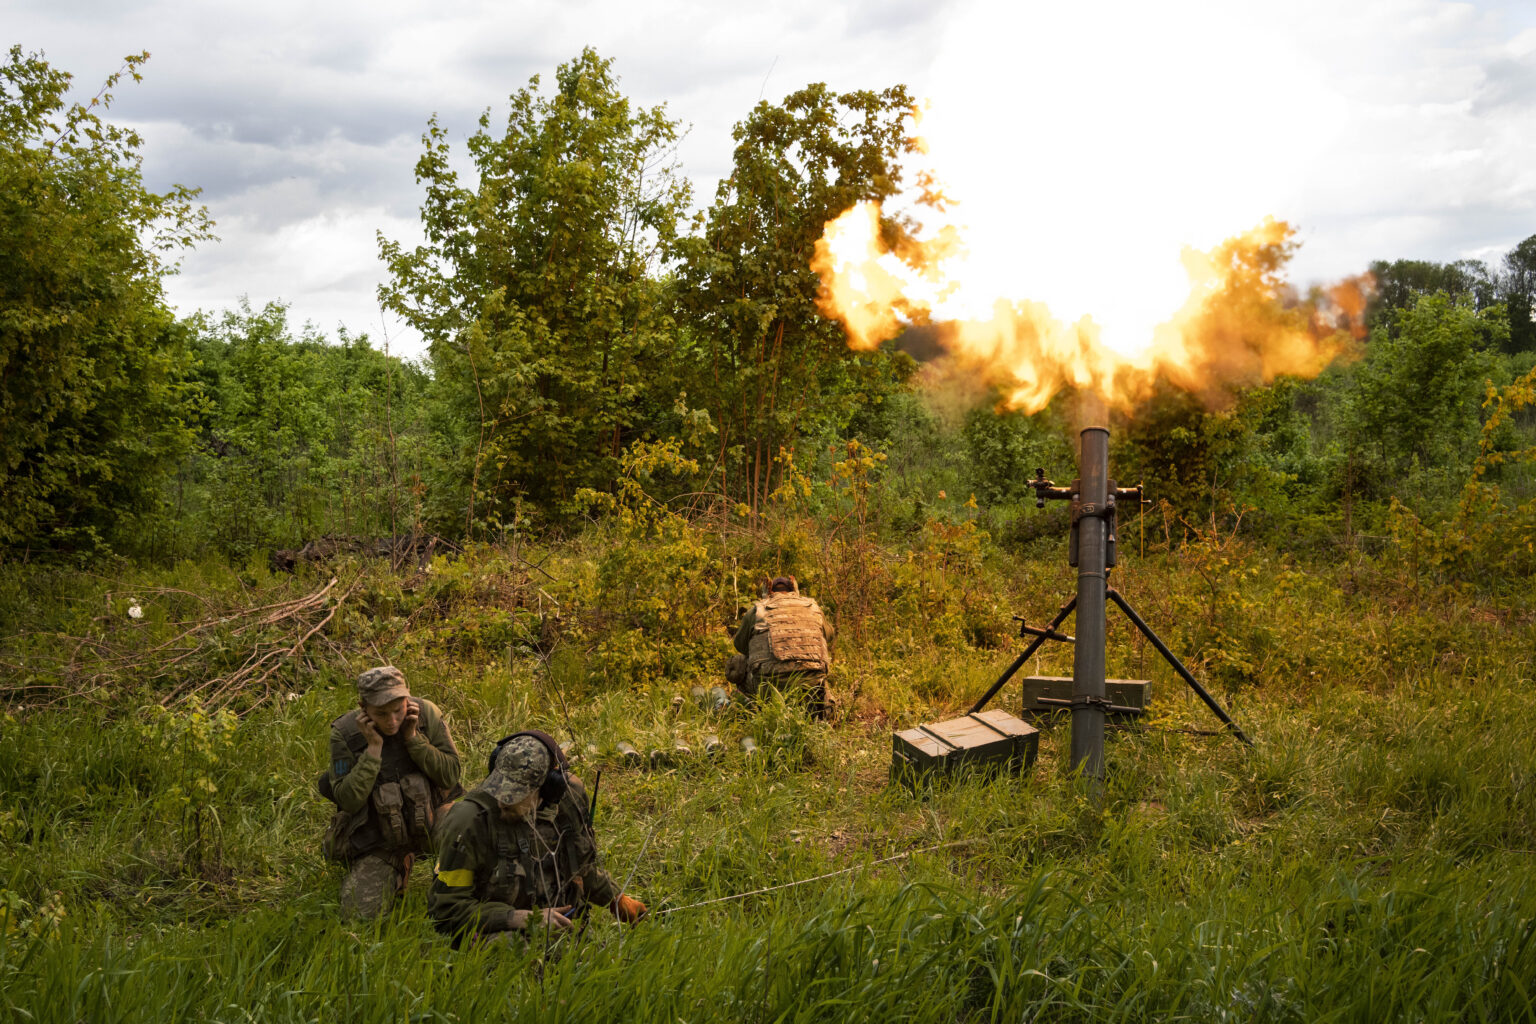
518	850
393	772
784	639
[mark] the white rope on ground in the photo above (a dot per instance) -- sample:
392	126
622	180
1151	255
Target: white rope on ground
818	878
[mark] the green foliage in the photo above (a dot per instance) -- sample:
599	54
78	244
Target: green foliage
657	588
1491	540
1006	447
850	561
535	287
1205	463
301	438
193	744
757	353
1377	833
944	583
1519	289
93	410
1399	284
1414	401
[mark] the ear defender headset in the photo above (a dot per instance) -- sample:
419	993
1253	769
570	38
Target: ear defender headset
553	788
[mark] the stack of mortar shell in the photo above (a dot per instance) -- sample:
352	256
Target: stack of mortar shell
659	757
680	753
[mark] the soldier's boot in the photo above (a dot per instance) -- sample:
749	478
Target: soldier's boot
404	873
737	674
370	887
819	701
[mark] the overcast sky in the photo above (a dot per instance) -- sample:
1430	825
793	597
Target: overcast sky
1382	128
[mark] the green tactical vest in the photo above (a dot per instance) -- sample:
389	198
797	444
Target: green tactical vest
361	832
530	873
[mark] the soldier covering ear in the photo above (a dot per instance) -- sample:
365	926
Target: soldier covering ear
393	770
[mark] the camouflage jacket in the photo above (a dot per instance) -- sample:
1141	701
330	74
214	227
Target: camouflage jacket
487	866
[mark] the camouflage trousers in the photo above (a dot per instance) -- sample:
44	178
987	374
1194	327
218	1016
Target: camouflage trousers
372	883
813	684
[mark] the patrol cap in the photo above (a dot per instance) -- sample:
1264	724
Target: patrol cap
521	768
379	686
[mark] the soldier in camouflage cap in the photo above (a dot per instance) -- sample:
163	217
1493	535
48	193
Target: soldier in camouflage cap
393	771
784	640
518	851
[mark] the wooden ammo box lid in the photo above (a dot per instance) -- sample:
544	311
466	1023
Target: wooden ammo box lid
1129	693
985	738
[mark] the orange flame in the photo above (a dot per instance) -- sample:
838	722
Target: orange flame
1236	327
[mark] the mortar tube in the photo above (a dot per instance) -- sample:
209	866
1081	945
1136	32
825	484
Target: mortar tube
1088	652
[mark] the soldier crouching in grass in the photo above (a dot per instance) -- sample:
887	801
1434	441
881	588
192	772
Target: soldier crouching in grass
393	773
518	851
784	640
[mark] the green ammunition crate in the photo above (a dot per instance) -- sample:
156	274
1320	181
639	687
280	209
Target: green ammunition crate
989	740
1128	693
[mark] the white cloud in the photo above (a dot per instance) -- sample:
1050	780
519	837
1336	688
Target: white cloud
1393	128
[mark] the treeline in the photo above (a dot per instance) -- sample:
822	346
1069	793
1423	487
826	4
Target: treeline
573	308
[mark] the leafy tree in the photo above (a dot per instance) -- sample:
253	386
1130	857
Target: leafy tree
1413	404
93	409
1400	283
760	357
300	437
1185	453
1006	447
536	287
1519	286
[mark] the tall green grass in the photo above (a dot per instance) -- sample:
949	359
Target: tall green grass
1371	859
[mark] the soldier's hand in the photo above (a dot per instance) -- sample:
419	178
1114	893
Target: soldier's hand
551	917
628	909
412	717
370	733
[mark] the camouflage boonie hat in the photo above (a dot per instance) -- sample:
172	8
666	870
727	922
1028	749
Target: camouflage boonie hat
379	686
521	768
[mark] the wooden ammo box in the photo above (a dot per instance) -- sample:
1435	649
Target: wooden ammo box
1128	693
992	740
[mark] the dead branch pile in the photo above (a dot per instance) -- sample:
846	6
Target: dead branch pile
402	550
230	657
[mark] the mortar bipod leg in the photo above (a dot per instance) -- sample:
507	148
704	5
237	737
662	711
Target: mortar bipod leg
1178	666
1029	651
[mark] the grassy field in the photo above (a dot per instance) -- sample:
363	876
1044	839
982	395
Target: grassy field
1371	859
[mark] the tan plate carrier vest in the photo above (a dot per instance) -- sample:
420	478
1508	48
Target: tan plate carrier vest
793	627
